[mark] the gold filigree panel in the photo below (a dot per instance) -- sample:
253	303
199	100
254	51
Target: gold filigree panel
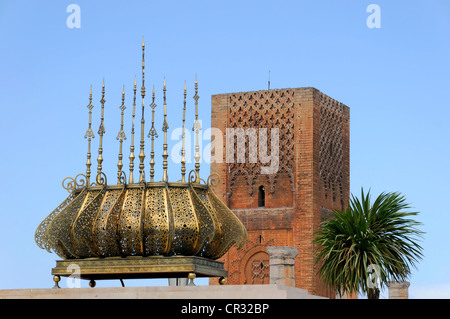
129	229
105	226
58	232
185	222
81	231
141	221
232	230
156	222
209	228
41	237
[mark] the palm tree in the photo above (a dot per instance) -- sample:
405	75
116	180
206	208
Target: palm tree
366	245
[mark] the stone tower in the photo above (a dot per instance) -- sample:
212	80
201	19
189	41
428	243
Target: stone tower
282	156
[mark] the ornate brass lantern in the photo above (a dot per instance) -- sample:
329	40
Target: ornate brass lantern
140	229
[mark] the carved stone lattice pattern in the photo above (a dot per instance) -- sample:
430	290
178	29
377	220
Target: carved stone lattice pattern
244	268
263	109
143	220
258	269
331	146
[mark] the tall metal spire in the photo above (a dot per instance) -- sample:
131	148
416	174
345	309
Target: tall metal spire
165	128
132	157
197	127
101	131
89	134
183	149
142	153
152	133
121	136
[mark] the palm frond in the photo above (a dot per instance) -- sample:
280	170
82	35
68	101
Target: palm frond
381	233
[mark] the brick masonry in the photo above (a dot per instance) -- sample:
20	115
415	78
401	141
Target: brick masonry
312	177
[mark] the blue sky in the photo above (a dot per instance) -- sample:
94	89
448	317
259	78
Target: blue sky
394	78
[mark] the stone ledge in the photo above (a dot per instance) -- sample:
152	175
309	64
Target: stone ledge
165	292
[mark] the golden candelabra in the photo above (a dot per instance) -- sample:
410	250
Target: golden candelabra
144	229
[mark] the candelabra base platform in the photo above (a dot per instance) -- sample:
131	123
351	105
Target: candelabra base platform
138	267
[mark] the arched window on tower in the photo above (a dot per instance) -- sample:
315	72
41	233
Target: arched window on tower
261	196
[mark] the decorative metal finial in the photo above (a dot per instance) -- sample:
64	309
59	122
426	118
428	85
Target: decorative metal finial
152	133
89	134
101	131
197	127
132	157
142	153
121	136
165	128
183	149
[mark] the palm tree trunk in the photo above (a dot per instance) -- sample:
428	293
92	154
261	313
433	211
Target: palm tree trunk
373	293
